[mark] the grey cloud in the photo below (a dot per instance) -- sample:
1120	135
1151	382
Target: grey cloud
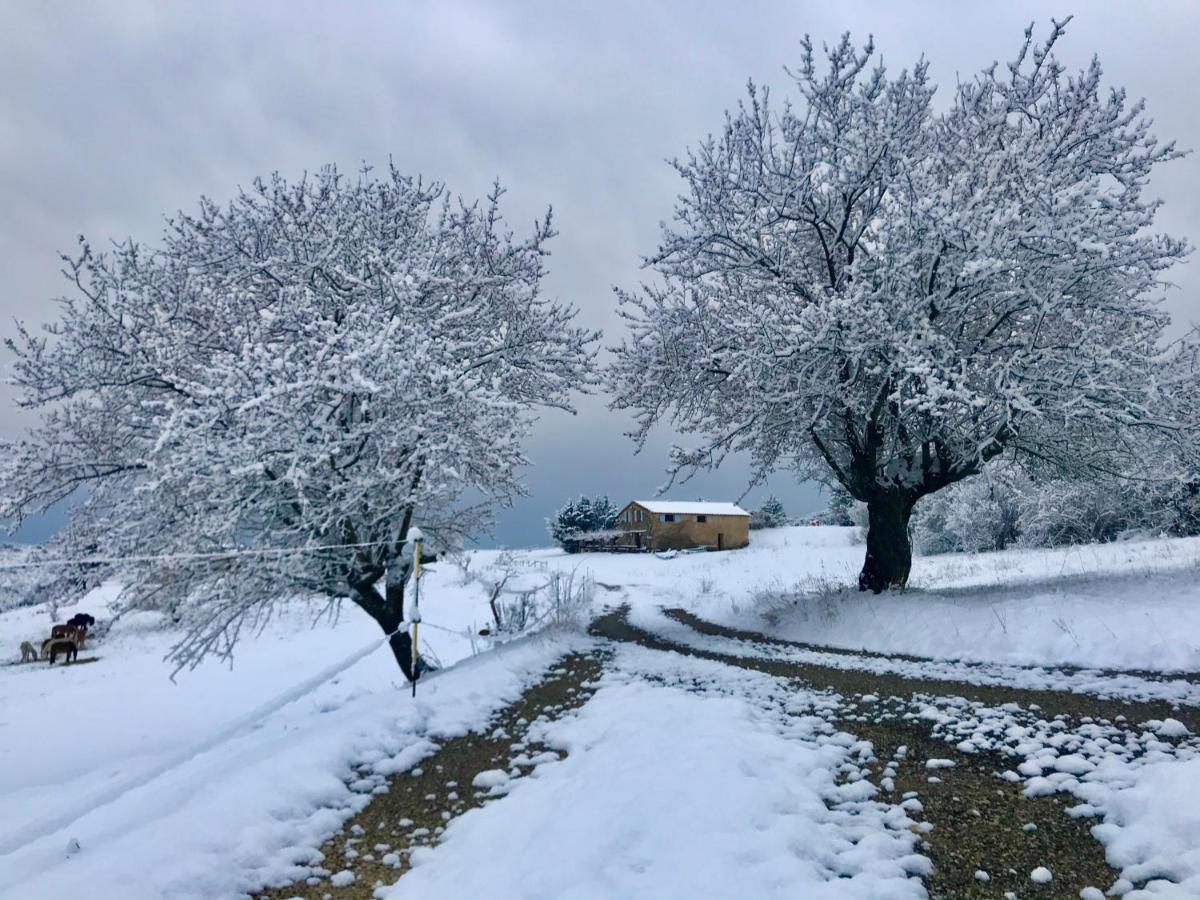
113	114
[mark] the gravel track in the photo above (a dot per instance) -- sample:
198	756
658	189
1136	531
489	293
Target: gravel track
971	820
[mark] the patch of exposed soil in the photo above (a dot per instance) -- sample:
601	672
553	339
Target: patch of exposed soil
377	842
982	823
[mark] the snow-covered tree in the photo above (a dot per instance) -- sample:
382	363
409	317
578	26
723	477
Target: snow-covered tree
865	287
837	508
578	518
299	376
770	515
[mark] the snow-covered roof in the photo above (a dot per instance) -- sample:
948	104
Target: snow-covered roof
692	507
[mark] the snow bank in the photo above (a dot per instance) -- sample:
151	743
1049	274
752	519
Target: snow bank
1151	829
1132	605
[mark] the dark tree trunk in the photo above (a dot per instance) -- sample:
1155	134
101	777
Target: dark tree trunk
889	549
400	642
388	612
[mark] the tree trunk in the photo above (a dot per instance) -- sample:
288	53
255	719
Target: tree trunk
889	549
388	612
400	642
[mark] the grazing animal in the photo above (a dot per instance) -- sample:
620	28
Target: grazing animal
55	646
82	620
28	652
63	631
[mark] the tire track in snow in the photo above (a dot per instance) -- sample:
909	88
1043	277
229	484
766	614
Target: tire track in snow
1117	696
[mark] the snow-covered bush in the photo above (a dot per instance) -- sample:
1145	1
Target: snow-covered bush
770	515
568	599
265	403
976	515
525	596
1076	512
1006	507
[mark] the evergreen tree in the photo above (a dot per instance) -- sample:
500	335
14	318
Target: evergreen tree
770	515
837	509
581	517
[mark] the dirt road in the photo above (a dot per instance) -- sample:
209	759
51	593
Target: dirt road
944	749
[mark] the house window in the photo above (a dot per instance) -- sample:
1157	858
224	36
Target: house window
701	518
667	517
641	515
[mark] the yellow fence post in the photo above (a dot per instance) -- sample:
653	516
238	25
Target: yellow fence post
416	611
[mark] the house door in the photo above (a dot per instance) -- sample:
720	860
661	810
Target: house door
720	541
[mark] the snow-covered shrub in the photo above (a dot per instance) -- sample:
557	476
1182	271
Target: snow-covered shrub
770	515
1171	507
514	614
1073	511
568	599
1183	502
525	596
562	600
972	516
1004	507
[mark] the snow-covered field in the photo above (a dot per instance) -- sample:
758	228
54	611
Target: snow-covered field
238	815
1131	605
253	809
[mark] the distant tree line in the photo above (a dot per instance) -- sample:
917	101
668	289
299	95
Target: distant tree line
1007	507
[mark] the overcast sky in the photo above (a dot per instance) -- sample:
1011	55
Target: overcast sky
115	113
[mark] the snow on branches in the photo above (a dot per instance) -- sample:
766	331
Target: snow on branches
316	364
867	288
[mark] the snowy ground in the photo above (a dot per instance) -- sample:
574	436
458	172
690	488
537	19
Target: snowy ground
242	813
723	780
1129	605
655	799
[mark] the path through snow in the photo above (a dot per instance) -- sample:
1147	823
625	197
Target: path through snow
713	765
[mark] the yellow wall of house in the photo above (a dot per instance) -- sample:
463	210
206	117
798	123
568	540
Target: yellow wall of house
686	532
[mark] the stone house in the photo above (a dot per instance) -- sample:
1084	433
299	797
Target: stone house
684	525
